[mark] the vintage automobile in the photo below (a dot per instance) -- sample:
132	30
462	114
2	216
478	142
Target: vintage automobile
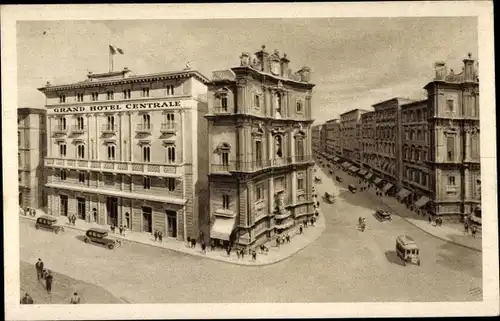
329	198
339	179
352	188
100	236
407	250
317	179
48	223
383	215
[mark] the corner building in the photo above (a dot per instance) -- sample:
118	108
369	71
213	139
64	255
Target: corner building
260	149
123	149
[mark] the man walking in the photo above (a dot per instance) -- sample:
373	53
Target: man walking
160	236
48	282
75	299
473	231
121	229
203	247
39	269
74	219
212	245
156	235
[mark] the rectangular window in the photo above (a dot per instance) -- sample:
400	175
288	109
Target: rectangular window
111	95
146	154
111	152
299	106
64	174
171	184
300	184
258	152
171	154
257	101
259	193
450	145
81	177
81	151
451	180
225	201
146	121
126	94
111	123
62	99
225	158
147	183
80	123
95	96
145	92
62	150
79	97
224	103
450	104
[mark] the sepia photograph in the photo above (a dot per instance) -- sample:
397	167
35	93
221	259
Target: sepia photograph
249	160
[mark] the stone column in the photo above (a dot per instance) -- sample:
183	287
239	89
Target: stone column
241	95
292	144
467	137
271	194
120	134
50	145
130	149
89	148
97	136
240	149
271	144
466	185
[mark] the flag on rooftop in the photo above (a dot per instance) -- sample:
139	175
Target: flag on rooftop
113	50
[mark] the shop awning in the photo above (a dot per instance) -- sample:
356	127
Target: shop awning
222	228
422	201
403	193
335	159
362	172
353	169
377	180
369	175
346	164
387	187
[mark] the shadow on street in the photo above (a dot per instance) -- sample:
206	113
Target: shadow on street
393	258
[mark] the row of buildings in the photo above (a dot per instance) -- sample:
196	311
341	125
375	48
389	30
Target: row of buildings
425	152
229	158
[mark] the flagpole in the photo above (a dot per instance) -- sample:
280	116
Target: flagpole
110	59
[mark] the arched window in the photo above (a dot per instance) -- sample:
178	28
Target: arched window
146	153
225	201
62	150
111	123
224	150
171	154
278	146
111	152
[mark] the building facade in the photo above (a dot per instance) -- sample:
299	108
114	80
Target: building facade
367	141
388	154
454	153
322	140
260	144
415	139
31	141
316	138
124	149
350	128
333	142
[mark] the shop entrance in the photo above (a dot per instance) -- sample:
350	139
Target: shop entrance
147	219
112	210
64	205
81	208
171	223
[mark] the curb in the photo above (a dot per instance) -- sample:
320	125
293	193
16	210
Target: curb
322	227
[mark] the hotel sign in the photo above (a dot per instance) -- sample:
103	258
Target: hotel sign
115	107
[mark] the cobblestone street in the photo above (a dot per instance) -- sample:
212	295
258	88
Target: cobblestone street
343	265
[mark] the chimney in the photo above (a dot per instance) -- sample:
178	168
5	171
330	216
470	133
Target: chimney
469	68
440	68
284	66
263	56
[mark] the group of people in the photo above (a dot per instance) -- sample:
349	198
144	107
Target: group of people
191	242
29	211
121	230
44	274
438	221
282	239
473	229
157	234
72	220
240	253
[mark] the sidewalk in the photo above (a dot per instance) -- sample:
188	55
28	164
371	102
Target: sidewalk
449	232
298	242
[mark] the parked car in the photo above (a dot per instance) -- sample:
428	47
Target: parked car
352	188
100	236
329	198
338	178
48	223
383	215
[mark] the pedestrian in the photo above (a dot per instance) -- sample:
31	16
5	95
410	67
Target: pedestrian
228	251
39	268
430	219
156	235
44	274
33	212
312	221
254	255
278	241
160	236
48	282
189	241
305	223
121	229
194	242
287	238
27	299
201	236
212	245
74	221
466	228
301	229
238	253
473	231
203	247
75	299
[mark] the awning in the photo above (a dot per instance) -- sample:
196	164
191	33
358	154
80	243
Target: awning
222	228
387	187
335	159
377	180
353	169
422	201
362	172
369	175
346	164
403	193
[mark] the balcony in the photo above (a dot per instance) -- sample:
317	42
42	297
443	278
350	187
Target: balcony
109	129
221	111
168	128
75	129
117	167
303	159
60	130
222	168
144	129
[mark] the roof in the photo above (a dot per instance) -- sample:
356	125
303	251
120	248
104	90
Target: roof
406	240
31	110
48	218
221	75
130	79
399	100
414	103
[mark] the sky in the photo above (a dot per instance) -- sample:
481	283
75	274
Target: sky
355	62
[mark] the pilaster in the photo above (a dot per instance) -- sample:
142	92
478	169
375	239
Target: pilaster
271	194
294	187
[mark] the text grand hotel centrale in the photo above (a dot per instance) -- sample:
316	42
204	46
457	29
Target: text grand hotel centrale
129	106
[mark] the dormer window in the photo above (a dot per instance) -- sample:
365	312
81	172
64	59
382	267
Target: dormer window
145	92
62	98
110	95
95	96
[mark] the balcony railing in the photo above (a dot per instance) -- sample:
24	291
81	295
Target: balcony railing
115	166
222	110
222	168
168	128
252	166
109	129
144	128
303	159
59	129
78	129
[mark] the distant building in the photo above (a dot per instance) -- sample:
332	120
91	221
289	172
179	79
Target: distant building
31	141
351	135
125	149
260	149
367	141
316	138
333	140
454	153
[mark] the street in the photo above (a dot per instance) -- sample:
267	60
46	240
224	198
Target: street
343	265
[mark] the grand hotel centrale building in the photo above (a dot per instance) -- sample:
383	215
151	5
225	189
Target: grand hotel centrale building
260	151
124	149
